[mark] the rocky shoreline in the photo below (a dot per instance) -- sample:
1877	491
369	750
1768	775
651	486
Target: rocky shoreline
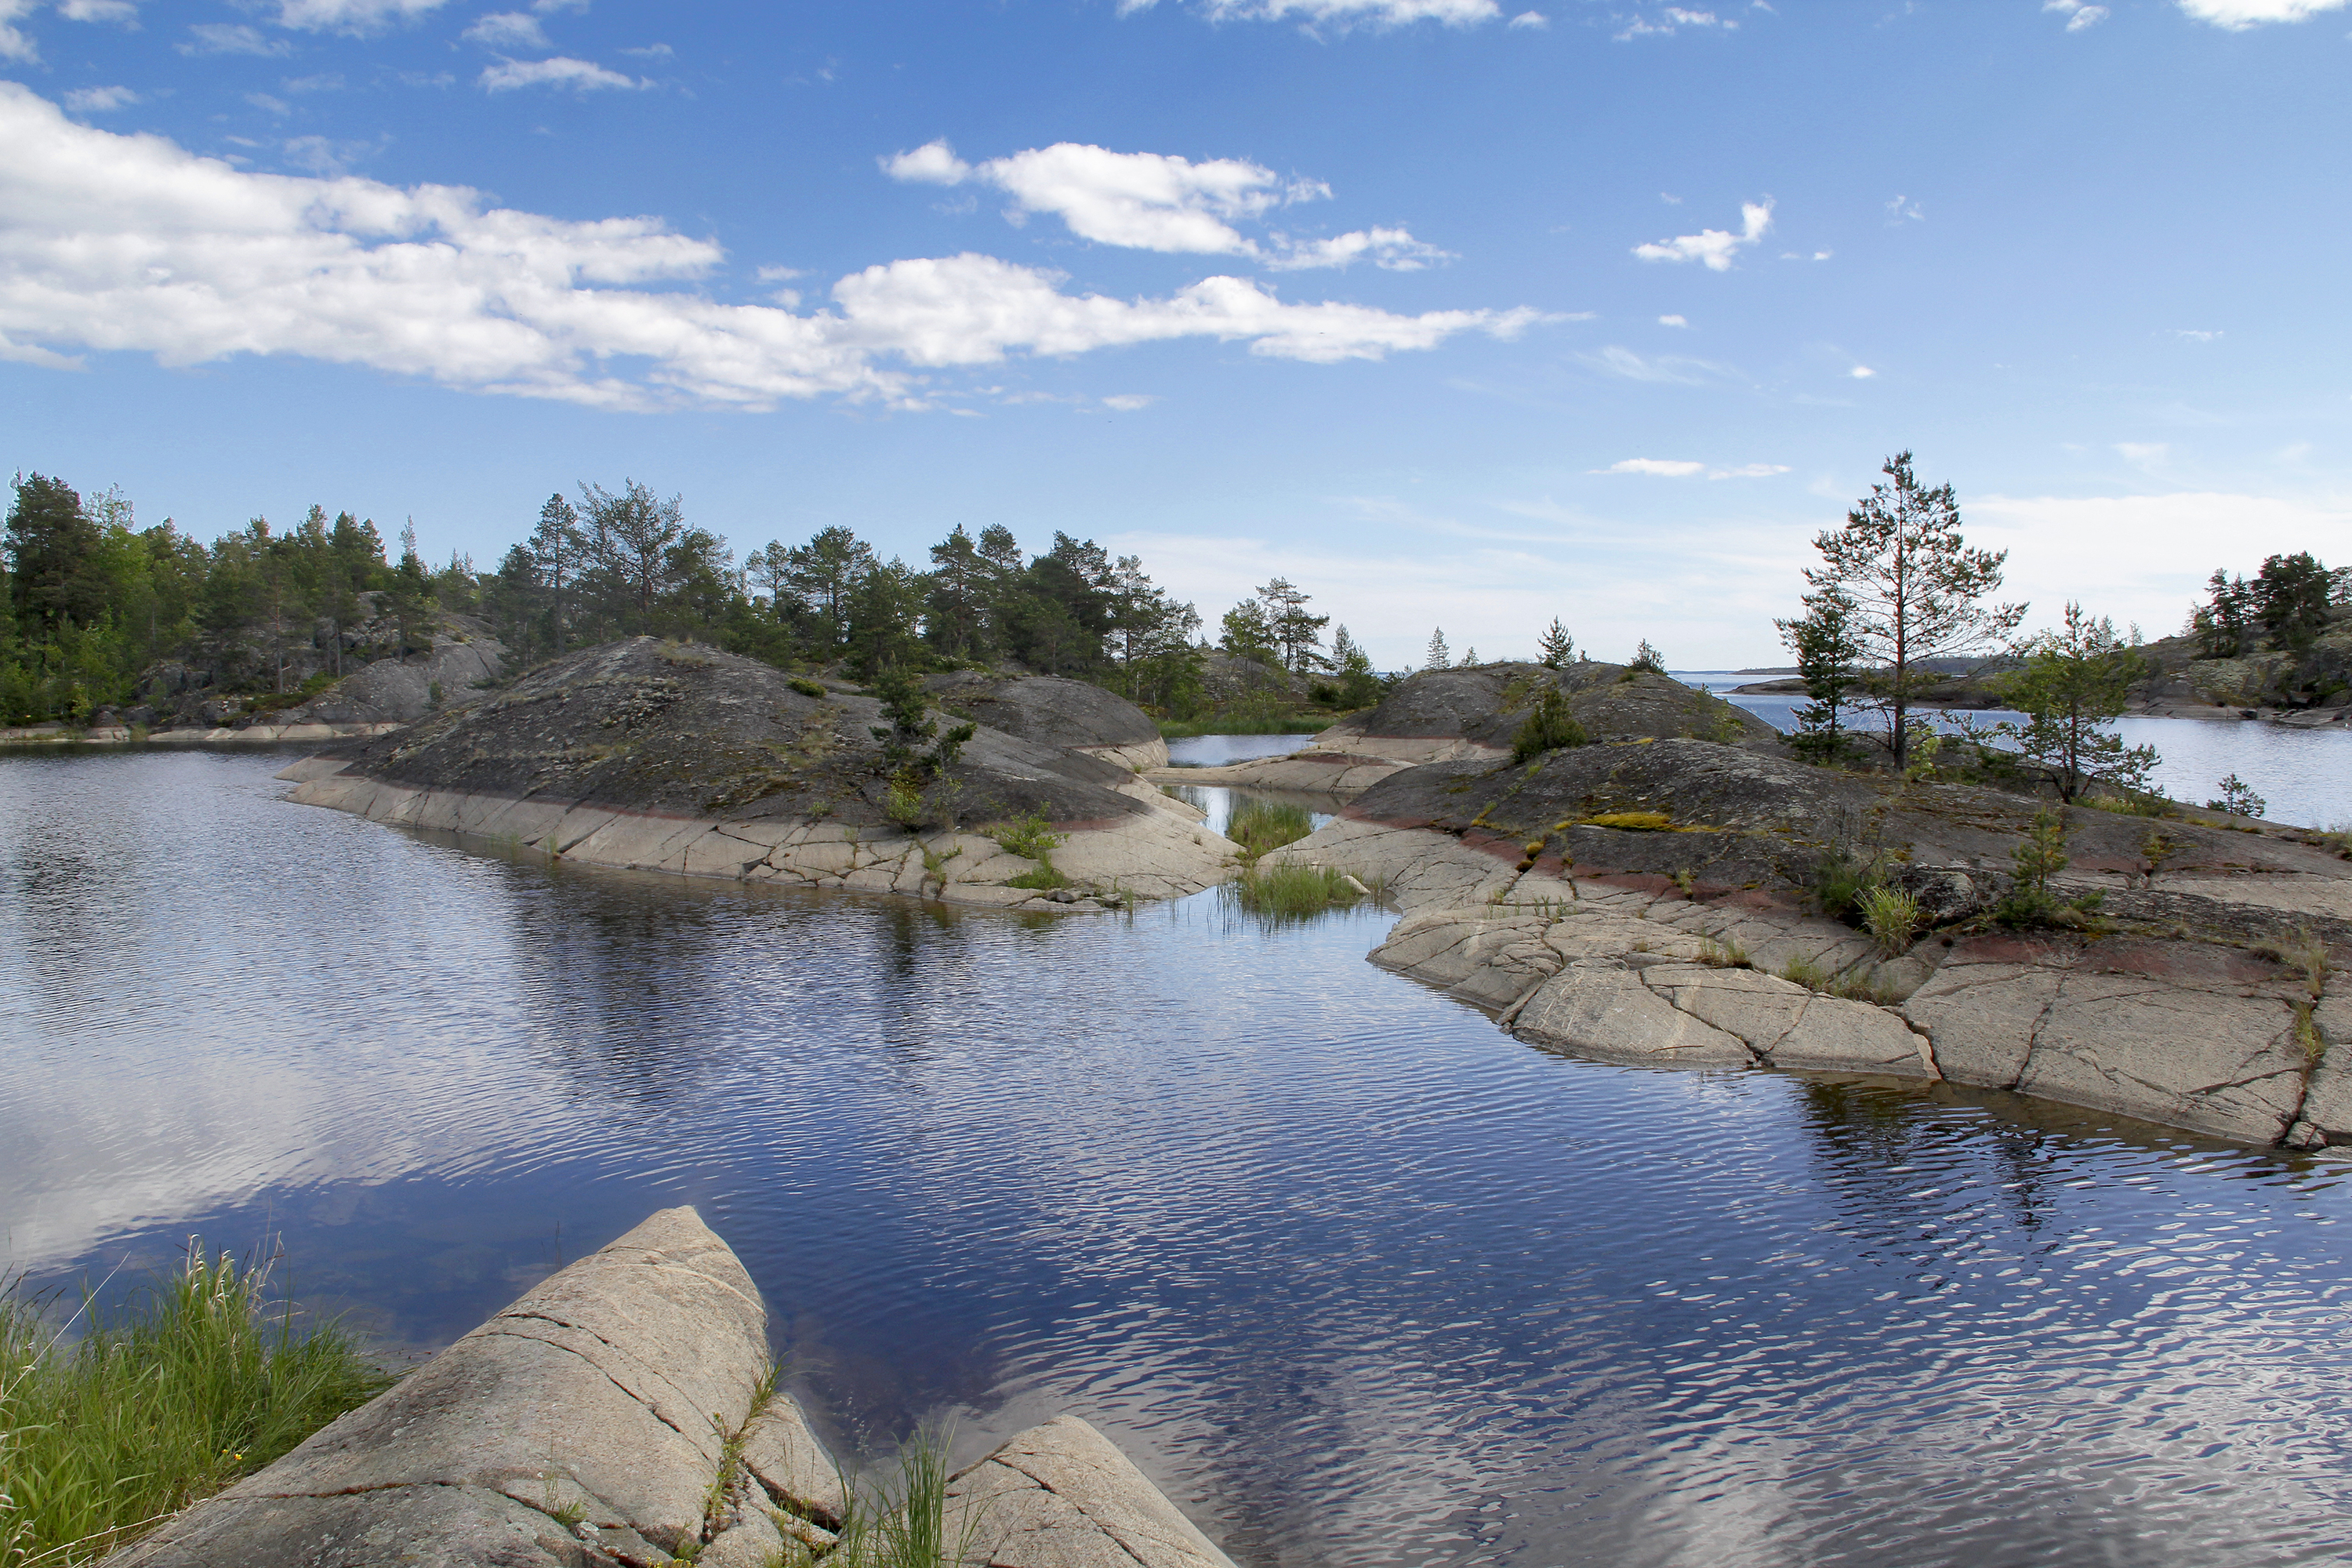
1646	901
625	1414
679	758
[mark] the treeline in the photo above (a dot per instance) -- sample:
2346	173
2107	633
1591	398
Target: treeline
95	602
2287	604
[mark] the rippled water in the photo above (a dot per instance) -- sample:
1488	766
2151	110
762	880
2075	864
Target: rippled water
1360	1278
2304	776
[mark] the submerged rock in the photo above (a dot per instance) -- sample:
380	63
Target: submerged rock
674	757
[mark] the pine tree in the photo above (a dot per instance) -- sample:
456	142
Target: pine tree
1555	647
1440	657
1914	584
555	551
1829	661
2076	680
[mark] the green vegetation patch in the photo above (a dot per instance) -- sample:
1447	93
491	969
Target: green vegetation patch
1258	826
197	1382
1295	892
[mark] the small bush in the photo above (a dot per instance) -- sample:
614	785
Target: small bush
1032	837
1258	826
1549	728
1891	916
2042	856
2238	798
1044	879
1840	880
807	689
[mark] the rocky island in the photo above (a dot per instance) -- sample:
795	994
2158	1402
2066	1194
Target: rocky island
678	757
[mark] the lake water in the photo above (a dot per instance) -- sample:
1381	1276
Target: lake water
2304	776
1359	1279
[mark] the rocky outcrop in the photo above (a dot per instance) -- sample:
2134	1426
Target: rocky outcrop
622	1415
1647	902
401	691
1052	711
1473	715
680	758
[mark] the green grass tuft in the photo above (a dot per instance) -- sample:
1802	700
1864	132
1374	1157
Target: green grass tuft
1258	826
197	1382
1294	891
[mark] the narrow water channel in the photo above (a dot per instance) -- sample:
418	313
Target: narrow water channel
1357	1278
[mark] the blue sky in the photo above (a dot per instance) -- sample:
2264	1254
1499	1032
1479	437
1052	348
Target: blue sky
1456	313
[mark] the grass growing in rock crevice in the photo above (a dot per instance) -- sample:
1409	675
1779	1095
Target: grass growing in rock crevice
198	1381
1258	826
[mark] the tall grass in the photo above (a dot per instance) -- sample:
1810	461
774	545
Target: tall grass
1294	892
906	1526
1258	826
199	1380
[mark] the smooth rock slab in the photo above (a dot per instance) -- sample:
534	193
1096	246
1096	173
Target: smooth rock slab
1060	1496
1609	1012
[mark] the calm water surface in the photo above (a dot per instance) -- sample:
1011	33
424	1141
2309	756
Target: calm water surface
2304	776
1360	1278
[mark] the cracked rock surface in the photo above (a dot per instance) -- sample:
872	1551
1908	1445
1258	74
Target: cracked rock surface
589	1425
1061	1496
2208	996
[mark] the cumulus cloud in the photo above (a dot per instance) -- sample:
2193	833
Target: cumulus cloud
1340	12
14	43
561	70
125	12
2194	334
1531	19
1129	402
1713	247
1861	372
1674	321
99	100
2239	14
2078	15
114	243
1158	201
508	30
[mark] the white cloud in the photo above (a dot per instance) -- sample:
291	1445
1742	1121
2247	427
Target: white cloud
1129	402
1394	249
561	70
1680	469
2239	14
351	15
15	45
1158	201
2194	335
1341	13
1531	19
113	243
508	30
1674	321
99	100
1671	369
1713	247
1861	372
1903	209
1671	20
2146	454
123	11
2078	15
268	105
231	38
650	52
